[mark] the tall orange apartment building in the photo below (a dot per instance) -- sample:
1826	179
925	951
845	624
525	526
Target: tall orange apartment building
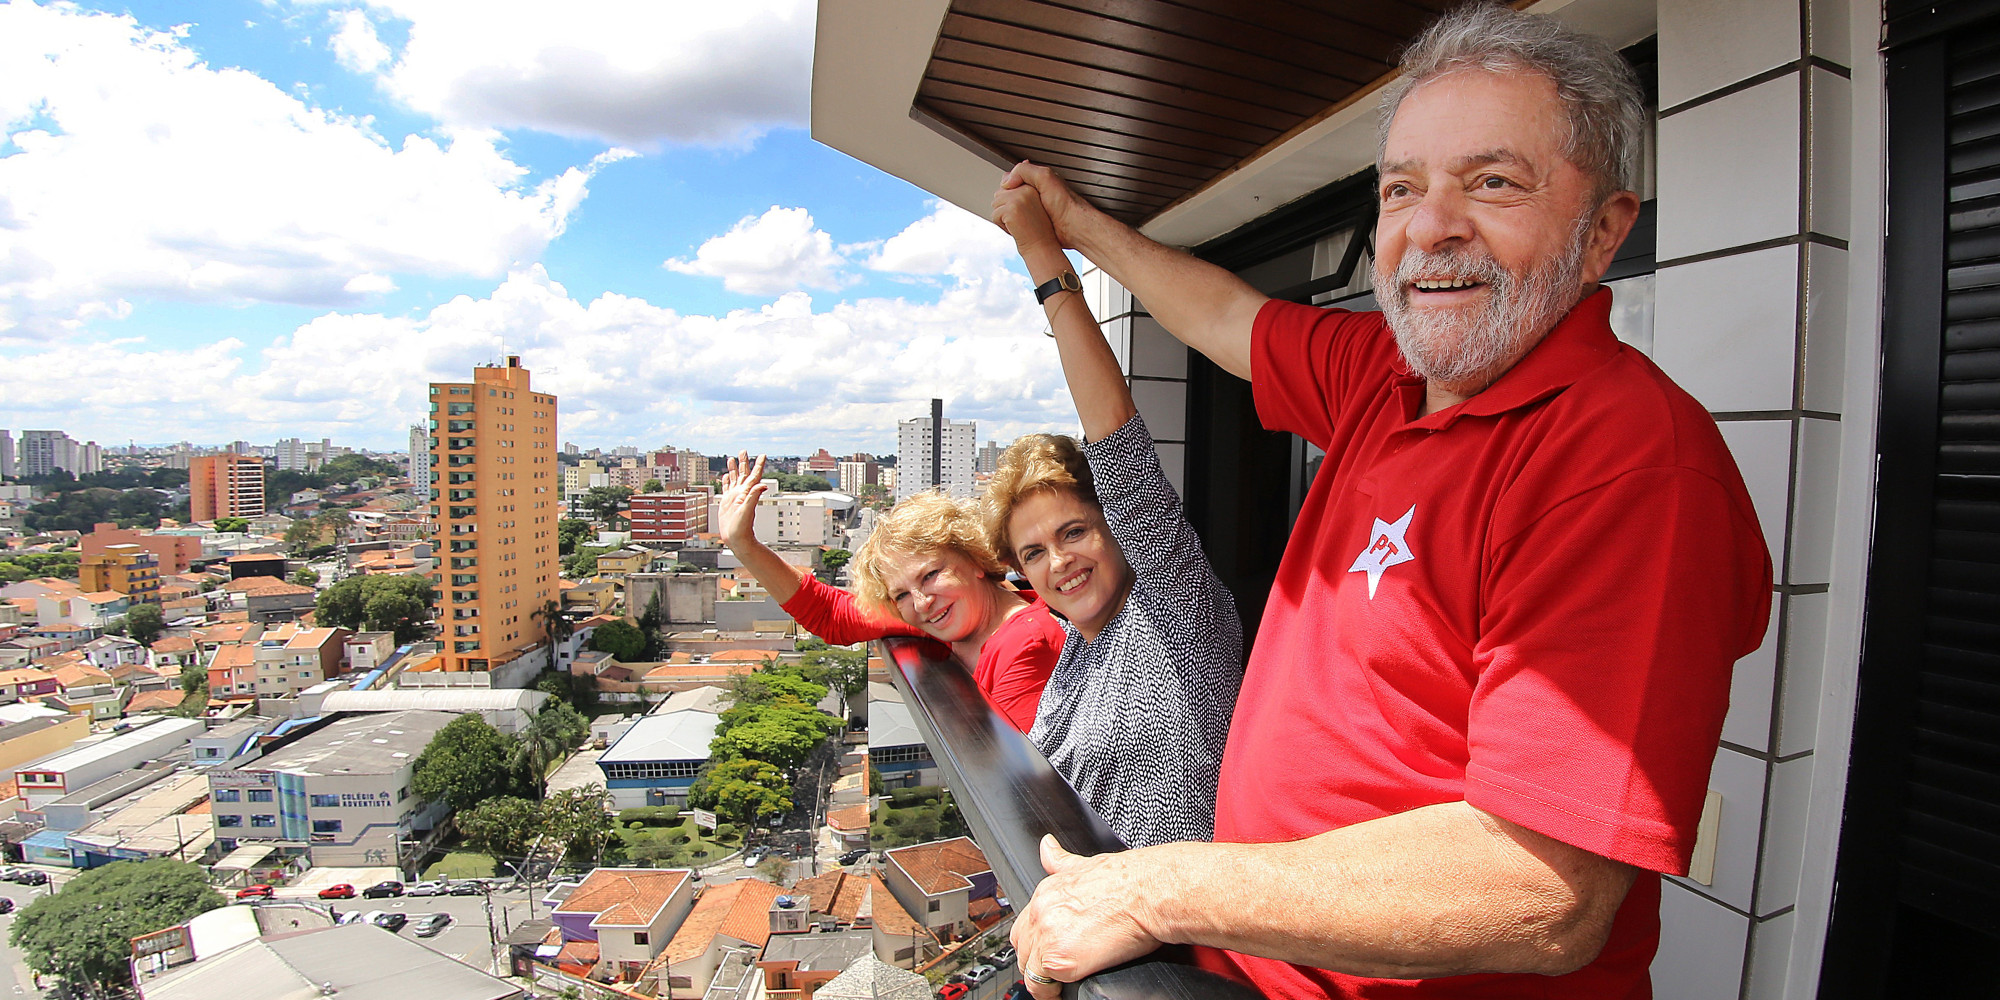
494	502
225	486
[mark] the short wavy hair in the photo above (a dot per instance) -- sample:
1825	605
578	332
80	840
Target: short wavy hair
1032	464
1603	107
922	524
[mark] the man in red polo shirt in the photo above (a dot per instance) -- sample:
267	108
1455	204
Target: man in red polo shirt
1490	681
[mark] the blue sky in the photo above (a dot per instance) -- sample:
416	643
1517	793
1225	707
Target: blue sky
264	220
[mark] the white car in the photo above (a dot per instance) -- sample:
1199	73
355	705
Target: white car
435	887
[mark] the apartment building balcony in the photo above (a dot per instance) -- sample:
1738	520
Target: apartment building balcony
467	545
457	426
468	563
464	579
458	512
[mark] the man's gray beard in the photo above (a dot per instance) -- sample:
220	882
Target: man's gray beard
1453	347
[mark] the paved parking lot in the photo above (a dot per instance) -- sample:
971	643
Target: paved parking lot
465	938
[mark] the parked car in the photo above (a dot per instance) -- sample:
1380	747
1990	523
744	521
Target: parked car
258	891
391	922
979	974
32	876
380	889
11	873
754	856
431	924
467	887
351	916
341	891
1018	991
953	991
6	905
854	855
1001	958
433	887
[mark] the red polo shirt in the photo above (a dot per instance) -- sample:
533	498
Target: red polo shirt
1530	602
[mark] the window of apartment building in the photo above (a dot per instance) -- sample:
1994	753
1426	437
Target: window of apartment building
227	795
226	820
639	937
322	801
263	819
260	795
326	826
932	905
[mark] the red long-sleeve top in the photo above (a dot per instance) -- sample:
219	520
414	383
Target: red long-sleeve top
1013	666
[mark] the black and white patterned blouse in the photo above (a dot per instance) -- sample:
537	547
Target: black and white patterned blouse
1136	720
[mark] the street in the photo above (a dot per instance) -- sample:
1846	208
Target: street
465	938
15	979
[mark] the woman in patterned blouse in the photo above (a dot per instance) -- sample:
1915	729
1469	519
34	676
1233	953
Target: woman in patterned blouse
1137	710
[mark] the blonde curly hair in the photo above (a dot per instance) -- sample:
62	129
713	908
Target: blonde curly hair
1033	463
919	525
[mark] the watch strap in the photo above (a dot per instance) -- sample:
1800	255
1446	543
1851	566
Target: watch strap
1064	282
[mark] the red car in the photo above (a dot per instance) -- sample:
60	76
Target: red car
341	891
953	991
258	891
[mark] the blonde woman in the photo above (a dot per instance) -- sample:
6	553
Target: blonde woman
926	570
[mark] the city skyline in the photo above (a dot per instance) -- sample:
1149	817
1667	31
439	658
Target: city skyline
335	214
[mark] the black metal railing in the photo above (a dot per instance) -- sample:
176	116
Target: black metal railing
1011	796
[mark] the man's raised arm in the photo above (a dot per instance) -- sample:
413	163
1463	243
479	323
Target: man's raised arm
1204	306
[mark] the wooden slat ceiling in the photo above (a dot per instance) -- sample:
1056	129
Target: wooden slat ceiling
1138	103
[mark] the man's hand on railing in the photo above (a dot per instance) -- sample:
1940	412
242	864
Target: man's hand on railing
1086	915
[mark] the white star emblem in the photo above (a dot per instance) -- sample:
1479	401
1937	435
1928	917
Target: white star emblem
1385	548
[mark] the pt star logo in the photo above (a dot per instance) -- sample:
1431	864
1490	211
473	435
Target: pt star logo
1385	548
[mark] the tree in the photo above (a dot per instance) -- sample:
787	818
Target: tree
604	502
193	675
353	603
302	536
84	933
554	625
583	562
570	532
232	525
505	826
779	740
775	686
621	639
652	486
550	732
144	623
576	818
466	763
802	483
333	522
834	559
742	790
306	576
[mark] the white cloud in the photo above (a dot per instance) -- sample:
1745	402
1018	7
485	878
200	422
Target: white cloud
949	241
133	170
786	377
770	254
629	72
355	43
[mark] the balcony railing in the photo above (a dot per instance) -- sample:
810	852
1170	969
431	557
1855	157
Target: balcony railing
1010	796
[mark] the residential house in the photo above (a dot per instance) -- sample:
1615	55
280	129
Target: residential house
594	597
938	883
173	652
125	568
83	688
17	683
108	651
840	895
721	939
24	649
289	658
630	913
901	939
232	673
155	702
628	560
795	966
367	651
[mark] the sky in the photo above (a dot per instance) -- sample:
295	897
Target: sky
263	220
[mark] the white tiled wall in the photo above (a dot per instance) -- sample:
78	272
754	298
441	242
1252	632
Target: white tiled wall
1755	165
1155	365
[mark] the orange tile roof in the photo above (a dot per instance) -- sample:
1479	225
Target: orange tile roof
626	897
105	597
943	865
310	638
79	674
671	671
581	955
891	920
845	818
255	557
744	656
717	912
233	655
232	617
9	789
202	808
225	632
154	701
25	675
173	644
839	893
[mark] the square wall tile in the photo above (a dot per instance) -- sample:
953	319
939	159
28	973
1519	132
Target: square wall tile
1726	329
1702	946
1804	669
1829	143
1813	503
1784	835
1729	170
1752	686
1739	779
1708	44
1173	461
1164	405
1763	451
1826	328
1155	352
1770	957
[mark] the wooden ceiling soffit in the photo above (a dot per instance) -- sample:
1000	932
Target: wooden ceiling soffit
1140	103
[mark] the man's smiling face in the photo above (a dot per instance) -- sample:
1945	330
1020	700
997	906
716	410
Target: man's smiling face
1487	233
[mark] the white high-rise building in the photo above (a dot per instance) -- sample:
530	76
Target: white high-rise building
420	461
956	455
989	457
43	452
296	455
6	454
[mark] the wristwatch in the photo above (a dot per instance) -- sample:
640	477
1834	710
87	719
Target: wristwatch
1064	282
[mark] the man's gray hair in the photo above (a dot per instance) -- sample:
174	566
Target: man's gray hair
1602	102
